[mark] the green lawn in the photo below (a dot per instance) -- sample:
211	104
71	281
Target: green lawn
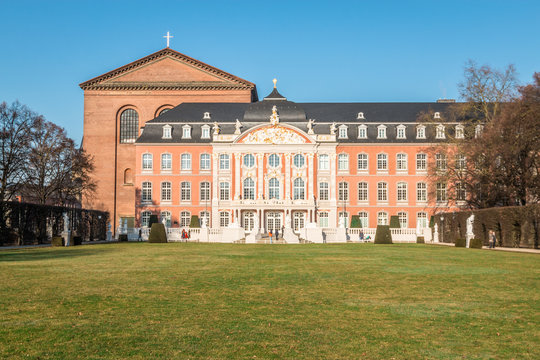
213	301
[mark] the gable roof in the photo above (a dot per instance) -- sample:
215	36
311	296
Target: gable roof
229	81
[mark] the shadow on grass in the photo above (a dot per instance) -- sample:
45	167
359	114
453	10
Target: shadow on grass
37	254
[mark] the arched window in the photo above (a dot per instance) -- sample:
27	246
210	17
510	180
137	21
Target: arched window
185	162
298	161
249	161
401	162
273	189
299	192
382	191
128	177
249	220
185	218
163	111
421	220
166	191
273	160
166	161
362	191
146	193
145	218
249	189
129	126
402	191
421	192
364	219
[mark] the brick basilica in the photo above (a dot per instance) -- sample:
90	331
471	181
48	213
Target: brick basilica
175	137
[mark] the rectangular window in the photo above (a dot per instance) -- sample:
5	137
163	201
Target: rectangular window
147	163
146	193
223	219
441	192
381	132
440	162
363	162
166	191
382	162
362	191
342	132
324	162
186	132
224	193
205	162
402	191
401	132
362	132
421	132
343	191
461	162
421	220
461	194
403	219
323	191
323	219
205	133
382	192
421	162
364	221
224	163
343	162
205	191
185	191
401	163
421	192
185	161
166	162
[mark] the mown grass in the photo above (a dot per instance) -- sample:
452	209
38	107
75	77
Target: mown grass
213	301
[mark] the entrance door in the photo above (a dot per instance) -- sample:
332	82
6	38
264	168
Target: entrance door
298	220
273	221
249	220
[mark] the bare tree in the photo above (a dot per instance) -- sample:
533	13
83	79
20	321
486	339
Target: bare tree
496	162
16	121
57	171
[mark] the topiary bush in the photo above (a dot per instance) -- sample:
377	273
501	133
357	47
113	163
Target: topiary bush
461	242
383	235
194	222
57	241
157	234
122	237
355	222
77	240
420	240
394	222
475	243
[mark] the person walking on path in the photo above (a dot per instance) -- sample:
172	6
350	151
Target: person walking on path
492	239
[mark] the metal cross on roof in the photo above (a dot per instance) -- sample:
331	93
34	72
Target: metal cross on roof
168	37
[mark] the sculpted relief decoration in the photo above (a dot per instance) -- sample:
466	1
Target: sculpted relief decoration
273	135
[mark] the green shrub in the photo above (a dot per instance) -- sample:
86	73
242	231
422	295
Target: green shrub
122	237
194	222
157	234
57	241
460	242
432	221
420	240
394	222
383	235
355	222
77	240
475	244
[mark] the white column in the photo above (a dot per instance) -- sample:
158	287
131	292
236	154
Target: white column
260	187
310	177
237	176
215	189
287	176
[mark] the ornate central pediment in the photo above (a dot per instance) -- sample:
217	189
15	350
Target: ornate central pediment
274	135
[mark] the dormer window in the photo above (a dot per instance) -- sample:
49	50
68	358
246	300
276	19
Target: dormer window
437	115
362	131
440	132
342	132
206	116
420	132
360	116
381	132
167	132
205	132
186	132
460	134
478	130
401	132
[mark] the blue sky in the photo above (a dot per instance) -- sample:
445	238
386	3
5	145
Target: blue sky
332	51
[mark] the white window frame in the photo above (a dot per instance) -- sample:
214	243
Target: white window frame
224	191
421	220
147	162
205	132
382	218
186	132
420	132
224	218
246	161
343	162
382	159
364	219
273	189
271	162
185	218
381	132
167	162
343	191
185	191
421	192
362	131
185	162
403	218
145	218
323	218
441	192
166	191
224	162
205	162
324	161
296	160
460	132
402	191
363	191
382	192
402	160
146	191
324	190
248	189
299	189
401	132
205	191
421	162
343	132
440	132
167	132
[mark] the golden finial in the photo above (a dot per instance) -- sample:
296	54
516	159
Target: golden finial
275	82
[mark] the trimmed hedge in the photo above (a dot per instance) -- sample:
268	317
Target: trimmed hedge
514	226
420	240
383	235
475	244
194	222
157	234
461	242
355	222
57	241
122	237
394	222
